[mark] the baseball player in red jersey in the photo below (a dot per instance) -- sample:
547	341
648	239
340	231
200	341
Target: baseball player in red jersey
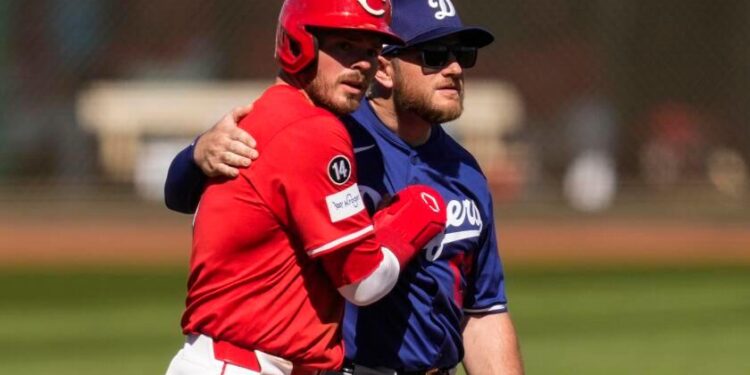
276	251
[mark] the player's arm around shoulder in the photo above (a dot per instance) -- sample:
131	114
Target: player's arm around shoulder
184	184
362	256
219	152
225	148
491	345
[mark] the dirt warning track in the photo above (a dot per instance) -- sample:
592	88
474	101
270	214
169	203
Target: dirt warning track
165	240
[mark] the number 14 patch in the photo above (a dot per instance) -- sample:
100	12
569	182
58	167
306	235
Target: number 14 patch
339	169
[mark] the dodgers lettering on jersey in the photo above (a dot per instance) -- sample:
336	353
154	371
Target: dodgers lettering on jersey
459	212
417	325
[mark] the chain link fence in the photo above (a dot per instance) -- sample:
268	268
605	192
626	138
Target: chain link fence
608	96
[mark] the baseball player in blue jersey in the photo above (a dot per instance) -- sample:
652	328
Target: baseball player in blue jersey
449	305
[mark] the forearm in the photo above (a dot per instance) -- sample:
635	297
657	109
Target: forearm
376	285
491	346
368	270
185	183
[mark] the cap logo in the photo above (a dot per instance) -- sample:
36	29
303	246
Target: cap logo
445	8
369	9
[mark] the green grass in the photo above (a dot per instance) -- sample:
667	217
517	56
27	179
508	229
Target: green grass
88	322
570	321
631	321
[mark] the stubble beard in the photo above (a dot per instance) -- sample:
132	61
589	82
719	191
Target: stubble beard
408	98
323	94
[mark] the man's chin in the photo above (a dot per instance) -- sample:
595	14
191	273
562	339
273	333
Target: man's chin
344	106
443	113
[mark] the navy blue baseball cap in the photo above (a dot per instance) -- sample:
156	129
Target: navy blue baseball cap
421	21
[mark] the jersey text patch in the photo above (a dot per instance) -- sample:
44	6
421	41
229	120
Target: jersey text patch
345	203
339	169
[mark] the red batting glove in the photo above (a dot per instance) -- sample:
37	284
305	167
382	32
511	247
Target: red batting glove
413	218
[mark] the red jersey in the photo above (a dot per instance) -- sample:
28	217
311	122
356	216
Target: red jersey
254	280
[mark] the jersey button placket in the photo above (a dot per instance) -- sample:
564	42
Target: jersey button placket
414	161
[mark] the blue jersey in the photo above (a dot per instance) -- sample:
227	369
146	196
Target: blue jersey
417	326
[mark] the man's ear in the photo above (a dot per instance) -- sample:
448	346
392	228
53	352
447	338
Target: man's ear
384	75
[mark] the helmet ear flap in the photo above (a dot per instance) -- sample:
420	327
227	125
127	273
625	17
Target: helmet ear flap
296	48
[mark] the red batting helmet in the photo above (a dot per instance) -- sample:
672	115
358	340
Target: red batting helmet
295	45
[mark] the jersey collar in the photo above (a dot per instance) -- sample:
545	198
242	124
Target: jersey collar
366	116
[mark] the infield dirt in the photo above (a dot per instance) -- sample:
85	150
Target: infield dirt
126	235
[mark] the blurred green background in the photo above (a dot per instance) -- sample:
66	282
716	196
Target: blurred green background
614	320
615	136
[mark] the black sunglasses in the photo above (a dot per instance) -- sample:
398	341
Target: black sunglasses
438	56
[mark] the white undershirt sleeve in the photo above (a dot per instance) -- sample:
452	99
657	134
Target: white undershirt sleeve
375	286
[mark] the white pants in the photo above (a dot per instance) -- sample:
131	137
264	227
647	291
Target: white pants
197	358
